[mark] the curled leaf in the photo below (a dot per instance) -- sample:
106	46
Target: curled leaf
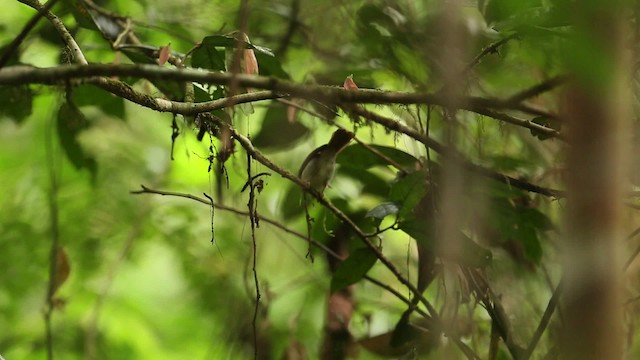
163	54
349	84
250	61
62	269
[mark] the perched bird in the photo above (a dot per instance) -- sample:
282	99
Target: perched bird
318	168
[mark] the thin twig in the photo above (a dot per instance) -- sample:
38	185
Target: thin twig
492	48
71	43
251	205
15	43
538	89
276	224
544	322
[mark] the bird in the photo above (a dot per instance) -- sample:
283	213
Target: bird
320	165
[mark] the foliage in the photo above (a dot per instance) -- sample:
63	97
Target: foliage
457	215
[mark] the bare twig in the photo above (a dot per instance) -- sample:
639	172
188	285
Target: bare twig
71	43
492	48
276	224
538	89
13	46
544	322
251	205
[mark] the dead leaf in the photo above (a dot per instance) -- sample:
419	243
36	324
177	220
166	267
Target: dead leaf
349	84
63	268
163	54
250	61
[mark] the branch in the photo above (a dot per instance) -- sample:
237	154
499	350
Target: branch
177	107
17	75
488	50
263	219
145	190
21	74
538	89
436	146
544	322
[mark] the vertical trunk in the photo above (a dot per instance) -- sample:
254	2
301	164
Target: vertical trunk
596	109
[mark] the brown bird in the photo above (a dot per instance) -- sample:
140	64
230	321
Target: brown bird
318	168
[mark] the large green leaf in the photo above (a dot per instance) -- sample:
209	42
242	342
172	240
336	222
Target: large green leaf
16	102
277	132
88	95
353	269
71	122
467	252
407	191
269	65
357	156
206	56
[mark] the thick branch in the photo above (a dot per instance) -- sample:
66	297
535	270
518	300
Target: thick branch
17	75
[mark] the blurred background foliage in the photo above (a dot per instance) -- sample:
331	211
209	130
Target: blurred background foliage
145	280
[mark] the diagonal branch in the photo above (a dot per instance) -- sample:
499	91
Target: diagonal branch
438	147
71	43
15	43
544	322
278	225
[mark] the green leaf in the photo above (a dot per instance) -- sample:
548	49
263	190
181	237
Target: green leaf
71	122
206	56
353	269
408	191
357	156
16	102
528	237
468	253
535	218
383	210
269	65
372	184
277	132
200	94
88	95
